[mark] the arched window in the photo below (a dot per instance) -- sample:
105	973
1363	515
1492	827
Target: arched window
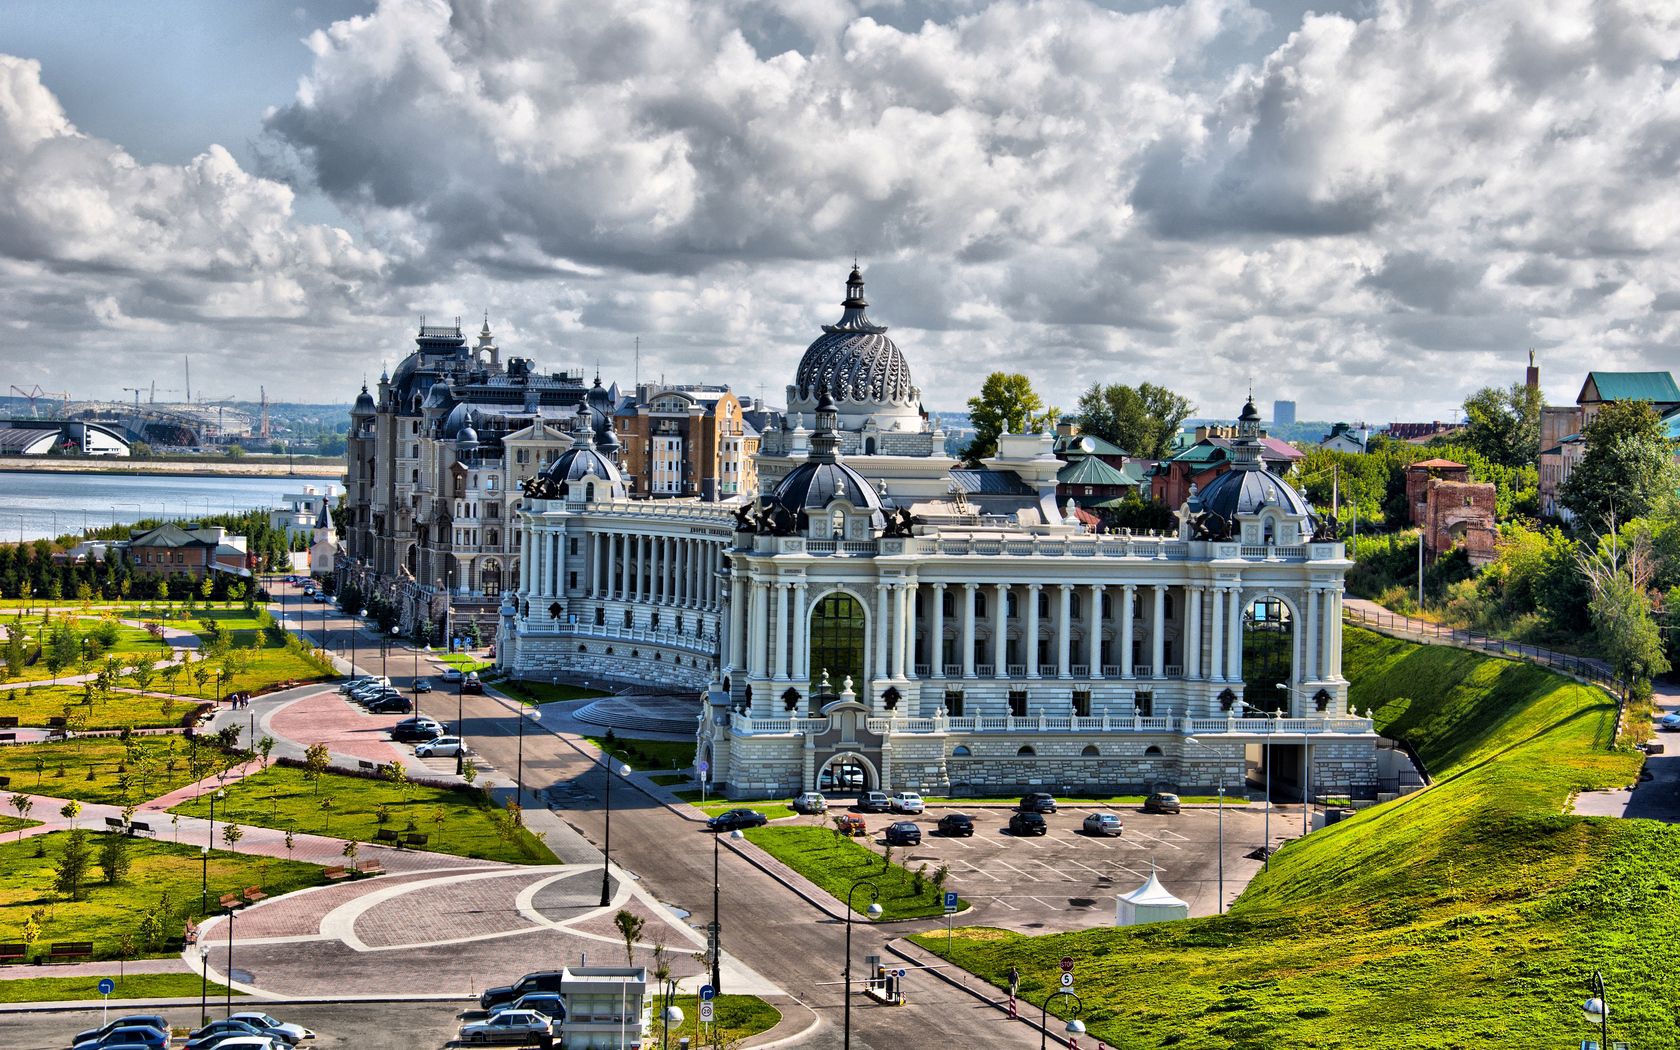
960	751
838	630
1025	751
1152	751
1090	751
869	446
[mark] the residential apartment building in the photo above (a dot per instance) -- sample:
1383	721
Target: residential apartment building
687	441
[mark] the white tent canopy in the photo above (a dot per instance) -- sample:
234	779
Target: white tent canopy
1150	902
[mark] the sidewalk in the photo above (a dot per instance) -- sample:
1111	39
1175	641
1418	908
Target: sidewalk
1368	614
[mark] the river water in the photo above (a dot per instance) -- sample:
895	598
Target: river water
48	504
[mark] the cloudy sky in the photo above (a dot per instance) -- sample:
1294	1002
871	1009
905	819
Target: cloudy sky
1371	209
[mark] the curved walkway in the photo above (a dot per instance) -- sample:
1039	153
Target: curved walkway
1368	614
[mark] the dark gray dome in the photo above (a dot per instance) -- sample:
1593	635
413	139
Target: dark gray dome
1251	491
364	401
459	419
854	360
580	462
812	487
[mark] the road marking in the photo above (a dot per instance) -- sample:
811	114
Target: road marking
979	871
1006	904
1018	871
1087	867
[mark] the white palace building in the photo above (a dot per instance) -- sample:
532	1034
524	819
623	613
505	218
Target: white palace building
882	618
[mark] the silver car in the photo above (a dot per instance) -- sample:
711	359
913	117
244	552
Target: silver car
1103	824
509	1026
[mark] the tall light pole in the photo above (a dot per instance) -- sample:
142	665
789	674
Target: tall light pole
1598	1009
355	629
203	984
717	917
1193	742
229	974
460	724
1075	1027
519	764
874	912
204	902
606	849
671	1013
416	682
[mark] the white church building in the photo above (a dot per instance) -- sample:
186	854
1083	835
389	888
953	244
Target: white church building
882	617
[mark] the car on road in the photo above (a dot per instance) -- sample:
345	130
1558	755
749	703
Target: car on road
1106	824
293	1033
422	685
904	833
1670	721
1038	802
508	1026
1162	802
439	747
907	802
874	802
810	802
471	684
451	675
136	1035
416	729
391	705
536	981
957	825
730	820
1028	823
851	824
125	1021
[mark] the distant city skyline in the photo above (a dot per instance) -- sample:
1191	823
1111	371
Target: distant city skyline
1374	211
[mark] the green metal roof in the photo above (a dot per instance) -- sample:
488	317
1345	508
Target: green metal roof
1090	470
171	535
1203	451
1099	446
1630	386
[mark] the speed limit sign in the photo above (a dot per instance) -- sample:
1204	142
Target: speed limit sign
1067	980
706	1012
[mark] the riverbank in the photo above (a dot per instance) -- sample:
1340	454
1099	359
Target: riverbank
219	466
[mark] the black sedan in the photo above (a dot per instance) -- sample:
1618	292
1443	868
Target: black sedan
390	705
731	820
1028	824
904	833
957	825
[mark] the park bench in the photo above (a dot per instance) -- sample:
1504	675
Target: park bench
190	936
8	738
70	950
230	901
115	824
414	838
365	765
140	827
253	894
385	835
6	782
335	873
55	722
14	953
8	721
371	867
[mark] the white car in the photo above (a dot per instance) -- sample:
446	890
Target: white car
907	802
441	747
508	1026
1669	721
294	1032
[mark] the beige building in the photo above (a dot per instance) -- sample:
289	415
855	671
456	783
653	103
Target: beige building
688	441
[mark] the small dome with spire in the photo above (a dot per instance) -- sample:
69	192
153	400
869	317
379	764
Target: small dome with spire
823	480
853	361
364	402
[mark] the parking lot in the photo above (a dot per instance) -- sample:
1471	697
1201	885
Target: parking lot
1068	880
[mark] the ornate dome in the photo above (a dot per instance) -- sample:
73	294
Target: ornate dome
460	418
583	461
854	361
364	402
822	480
1249	492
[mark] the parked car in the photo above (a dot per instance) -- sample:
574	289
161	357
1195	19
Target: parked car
957	825
729	820
250	1042
1669	721
546	1003
217	1032
851	824
350	685
1028	823
874	802
810	802
125	1021
471	684
133	1035
537	981
391	705
422	685
295	1033
1103	824
416	729
904	833
907	802
508	1026
1038	802
439	747
1162	802
451	675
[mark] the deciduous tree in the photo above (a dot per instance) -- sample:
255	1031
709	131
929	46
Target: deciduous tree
1628	470
1006	402
1141	419
1504	424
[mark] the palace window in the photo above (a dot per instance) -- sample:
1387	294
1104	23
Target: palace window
1009	607
948	603
1082	703
629	619
954	702
1145	704
1018	703
979	603
600	617
838	631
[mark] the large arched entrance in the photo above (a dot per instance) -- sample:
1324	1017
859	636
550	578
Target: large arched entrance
846	773
839	631
1268	654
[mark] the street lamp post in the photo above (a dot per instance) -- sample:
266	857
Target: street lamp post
203	984
606	848
519	762
874	912
229	975
355	629
717	918
1197	743
1075	1027
672	1013
1597	1010
416	682
460	724
204	890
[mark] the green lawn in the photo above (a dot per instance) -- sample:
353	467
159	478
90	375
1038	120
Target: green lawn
737	1017
465	661
546	693
280	797
133	986
118	709
123	772
648	755
715	805
1467	915
15	824
836	863
132	645
164	878
270	661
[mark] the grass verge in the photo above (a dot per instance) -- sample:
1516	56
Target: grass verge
163	881
1468	915
460	821
1095	803
737	1017
116	710
132	986
545	692
109	769
647	755
836	864
714	805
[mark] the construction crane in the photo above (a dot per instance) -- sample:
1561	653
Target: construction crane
36	393
137	391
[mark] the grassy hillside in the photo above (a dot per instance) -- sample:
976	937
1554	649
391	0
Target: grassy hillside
1469	915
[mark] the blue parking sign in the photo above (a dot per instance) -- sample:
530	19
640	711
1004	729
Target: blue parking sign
950	901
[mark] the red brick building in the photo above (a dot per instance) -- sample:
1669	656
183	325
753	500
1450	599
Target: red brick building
188	550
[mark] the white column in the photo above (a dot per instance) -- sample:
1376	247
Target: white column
801	637
625	561
1032	630
1127	608
1000	631
1094	630
1064	629
1216	634
1310	629
1233	636
882	664
670	571
1158	634
967	653
1193	631
525	560
936	651
1333	634
900	611
691	574
756	648
734	659
780	639
907	627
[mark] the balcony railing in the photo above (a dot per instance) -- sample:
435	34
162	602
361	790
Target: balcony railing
742	724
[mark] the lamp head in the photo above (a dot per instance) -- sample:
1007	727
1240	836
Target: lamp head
1192	741
737	834
203	951
221	793
1595	1009
1076	1027
674	1014
624	770
874	911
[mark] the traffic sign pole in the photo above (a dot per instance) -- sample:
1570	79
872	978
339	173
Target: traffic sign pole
106	987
